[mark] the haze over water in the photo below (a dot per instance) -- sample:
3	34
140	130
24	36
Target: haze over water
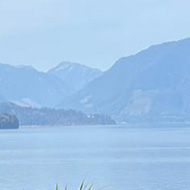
109	157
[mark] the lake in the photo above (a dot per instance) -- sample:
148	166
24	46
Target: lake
109	157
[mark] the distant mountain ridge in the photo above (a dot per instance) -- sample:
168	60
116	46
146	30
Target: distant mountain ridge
75	75
153	84
17	83
27	86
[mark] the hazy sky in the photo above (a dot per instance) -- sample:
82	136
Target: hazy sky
96	33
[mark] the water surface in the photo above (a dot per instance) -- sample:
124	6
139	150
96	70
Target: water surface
112	158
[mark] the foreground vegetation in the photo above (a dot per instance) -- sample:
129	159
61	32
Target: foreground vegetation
83	186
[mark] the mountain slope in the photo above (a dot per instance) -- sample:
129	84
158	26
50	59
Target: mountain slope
18	83
153	84
75	75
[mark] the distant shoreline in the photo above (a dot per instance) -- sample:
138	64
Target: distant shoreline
129	126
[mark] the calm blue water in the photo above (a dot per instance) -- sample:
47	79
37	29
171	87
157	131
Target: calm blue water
112	158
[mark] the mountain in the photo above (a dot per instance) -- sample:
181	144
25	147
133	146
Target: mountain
75	75
46	116
26	83
154	84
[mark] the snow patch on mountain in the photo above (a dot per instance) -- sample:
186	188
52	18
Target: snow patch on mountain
75	75
26	102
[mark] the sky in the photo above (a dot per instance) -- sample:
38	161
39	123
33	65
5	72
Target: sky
43	33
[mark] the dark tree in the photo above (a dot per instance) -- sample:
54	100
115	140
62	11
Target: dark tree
8	122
